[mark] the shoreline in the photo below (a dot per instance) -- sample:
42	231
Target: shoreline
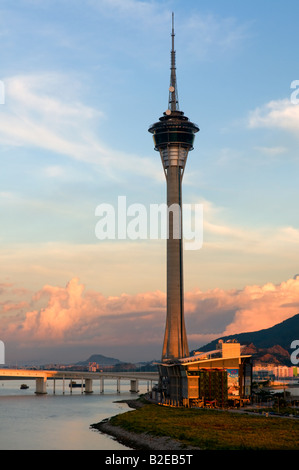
136	441
145	441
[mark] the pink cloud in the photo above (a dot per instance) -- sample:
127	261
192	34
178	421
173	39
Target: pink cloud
73	316
236	311
10	306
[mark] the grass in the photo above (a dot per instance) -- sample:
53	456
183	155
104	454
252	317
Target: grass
212	429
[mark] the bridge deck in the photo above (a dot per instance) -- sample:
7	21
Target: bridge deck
41	377
29	373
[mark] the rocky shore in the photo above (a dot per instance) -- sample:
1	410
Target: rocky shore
136	441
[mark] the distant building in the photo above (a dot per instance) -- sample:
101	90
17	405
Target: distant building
93	366
273	372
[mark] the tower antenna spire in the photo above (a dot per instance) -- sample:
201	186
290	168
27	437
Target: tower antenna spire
173	101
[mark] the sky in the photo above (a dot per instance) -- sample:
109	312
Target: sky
81	82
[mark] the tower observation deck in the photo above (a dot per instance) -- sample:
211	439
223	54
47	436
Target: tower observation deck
173	138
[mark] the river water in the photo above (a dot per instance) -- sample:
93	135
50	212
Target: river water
61	421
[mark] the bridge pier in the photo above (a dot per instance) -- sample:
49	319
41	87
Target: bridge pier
134	386
102	385
41	385
88	386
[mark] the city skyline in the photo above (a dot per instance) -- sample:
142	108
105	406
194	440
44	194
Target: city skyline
82	84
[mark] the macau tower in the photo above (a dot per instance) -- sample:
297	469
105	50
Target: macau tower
173	138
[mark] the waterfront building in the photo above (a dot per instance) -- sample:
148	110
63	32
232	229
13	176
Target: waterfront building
217	378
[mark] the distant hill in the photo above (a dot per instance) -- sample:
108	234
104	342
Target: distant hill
115	365
268	345
99	359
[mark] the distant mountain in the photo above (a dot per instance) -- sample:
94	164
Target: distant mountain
275	355
115	365
271	345
99	359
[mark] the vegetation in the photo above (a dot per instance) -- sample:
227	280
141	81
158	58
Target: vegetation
212	429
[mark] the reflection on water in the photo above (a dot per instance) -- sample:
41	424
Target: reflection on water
60	421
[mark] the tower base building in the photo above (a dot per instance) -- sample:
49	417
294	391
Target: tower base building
218	378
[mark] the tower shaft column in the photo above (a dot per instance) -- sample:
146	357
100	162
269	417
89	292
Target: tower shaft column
175	339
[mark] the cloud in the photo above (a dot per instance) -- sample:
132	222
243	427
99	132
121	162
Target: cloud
251	254
36	115
74	317
140	11
272	151
43	111
10	306
243	310
281	114
205	36
209	36
220	234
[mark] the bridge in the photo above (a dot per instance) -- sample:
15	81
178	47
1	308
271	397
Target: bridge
87	378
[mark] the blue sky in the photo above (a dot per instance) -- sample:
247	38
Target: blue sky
83	82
